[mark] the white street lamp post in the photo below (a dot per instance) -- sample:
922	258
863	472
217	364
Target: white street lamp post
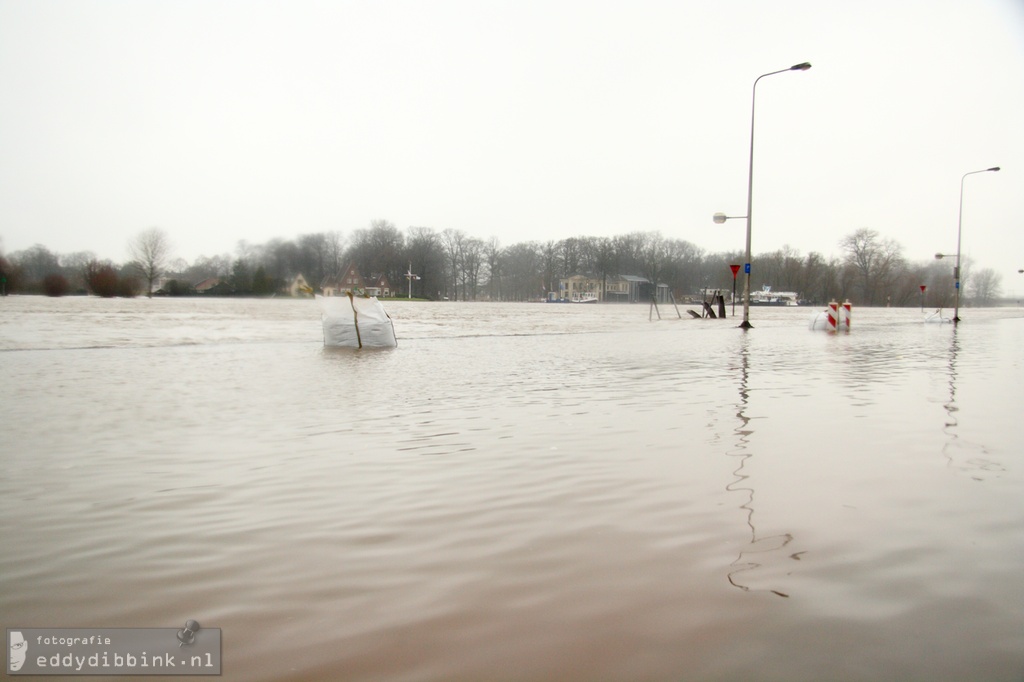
721	217
959	226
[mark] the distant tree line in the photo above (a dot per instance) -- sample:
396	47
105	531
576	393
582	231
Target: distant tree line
449	264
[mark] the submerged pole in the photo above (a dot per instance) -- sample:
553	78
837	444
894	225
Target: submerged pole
675	304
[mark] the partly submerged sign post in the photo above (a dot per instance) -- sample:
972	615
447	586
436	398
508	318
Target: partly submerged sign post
735	269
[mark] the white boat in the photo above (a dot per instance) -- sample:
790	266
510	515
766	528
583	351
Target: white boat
584	297
768	297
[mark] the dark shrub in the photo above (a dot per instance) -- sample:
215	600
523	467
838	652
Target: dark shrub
103	281
55	285
128	287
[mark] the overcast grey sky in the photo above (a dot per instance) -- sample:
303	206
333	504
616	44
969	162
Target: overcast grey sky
221	120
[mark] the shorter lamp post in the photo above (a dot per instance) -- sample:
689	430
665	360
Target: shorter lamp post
959	226
956	268
720	219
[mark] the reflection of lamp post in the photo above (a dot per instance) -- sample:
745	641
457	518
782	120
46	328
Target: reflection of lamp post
959	225
721	218
754	554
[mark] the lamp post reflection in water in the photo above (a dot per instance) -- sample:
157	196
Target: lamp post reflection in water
972	460
951	408
758	546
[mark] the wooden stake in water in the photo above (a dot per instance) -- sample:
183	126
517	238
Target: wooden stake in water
675	304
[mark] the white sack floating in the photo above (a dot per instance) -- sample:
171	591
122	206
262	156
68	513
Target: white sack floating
835	319
356	322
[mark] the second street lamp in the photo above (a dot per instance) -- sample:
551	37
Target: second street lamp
956	268
750	191
959	225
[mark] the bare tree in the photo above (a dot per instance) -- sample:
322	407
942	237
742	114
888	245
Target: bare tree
73	265
35	263
388	245
452	241
816	275
334	244
150	250
629	249
654	258
569	257
985	287
876	263
605	261
492	254
523	278
683	267
425	255
205	267
317	257
552	271
472	260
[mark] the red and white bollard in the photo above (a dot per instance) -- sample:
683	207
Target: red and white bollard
836	318
833	316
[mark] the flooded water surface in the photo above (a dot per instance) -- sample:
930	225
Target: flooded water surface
520	491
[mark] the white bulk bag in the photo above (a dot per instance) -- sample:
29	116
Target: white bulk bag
356	322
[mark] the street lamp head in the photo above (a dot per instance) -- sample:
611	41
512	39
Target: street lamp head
719	218
939	256
803	67
994	168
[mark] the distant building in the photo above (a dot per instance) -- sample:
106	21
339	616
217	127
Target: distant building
350	281
206	285
298	286
615	289
629	289
160	285
378	285
570	288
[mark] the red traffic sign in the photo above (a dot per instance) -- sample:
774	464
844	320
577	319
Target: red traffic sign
923	287
735	269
